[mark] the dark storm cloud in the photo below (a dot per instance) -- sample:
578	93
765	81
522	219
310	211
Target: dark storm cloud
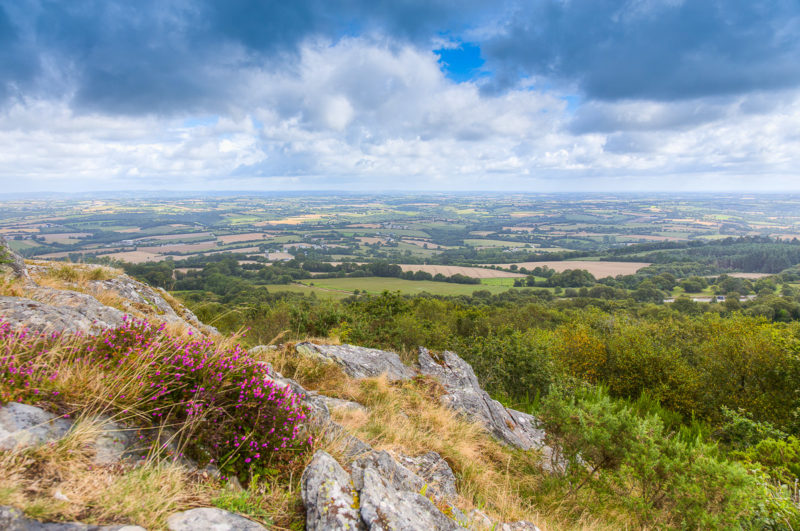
651	49
155	56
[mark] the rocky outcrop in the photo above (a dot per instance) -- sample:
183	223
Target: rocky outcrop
439	479
331	501
385	507
13	520
319	407
464	394
359	362
385	465
44	309
211	518
136	295
13	262
378	494
22	426
42	317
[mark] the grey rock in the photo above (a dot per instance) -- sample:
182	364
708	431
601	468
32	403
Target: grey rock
136	295
13	520
22	426
464	394
262	349
350	445
397	475
384	508
13	262
479	521
359	362
330	500
52	316
212	519
342	405
114	443
438	476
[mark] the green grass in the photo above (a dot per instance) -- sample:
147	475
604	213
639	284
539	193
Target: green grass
307	290
19	245
379	284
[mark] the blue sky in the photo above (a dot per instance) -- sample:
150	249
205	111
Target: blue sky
538	95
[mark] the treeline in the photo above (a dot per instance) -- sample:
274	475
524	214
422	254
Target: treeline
755	254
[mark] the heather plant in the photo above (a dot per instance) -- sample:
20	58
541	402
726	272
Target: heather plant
213	396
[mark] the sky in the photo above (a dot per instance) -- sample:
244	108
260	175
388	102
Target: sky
536	95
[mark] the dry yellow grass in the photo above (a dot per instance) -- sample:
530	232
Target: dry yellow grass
408	417
59	482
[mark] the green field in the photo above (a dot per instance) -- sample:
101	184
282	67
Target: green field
307	290
410	287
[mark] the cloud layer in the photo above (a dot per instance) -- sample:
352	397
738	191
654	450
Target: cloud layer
568	95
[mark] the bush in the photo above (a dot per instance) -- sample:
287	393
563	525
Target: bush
664	477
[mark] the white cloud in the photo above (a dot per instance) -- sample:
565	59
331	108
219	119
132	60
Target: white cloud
364	114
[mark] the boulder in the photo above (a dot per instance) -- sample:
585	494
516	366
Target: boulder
398	476
384	507
212	519
40	316
114	443
437	474
359	362
341	405
13	520
22	426
328	495
9	260
464	394
135	295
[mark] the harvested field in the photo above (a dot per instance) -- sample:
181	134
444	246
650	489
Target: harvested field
64	237
279	256
295	220
181	236
371	241
136	257
249	237
750	276
598	269
423	243
448	271
179	248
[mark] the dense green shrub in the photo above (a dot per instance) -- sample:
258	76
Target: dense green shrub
667	478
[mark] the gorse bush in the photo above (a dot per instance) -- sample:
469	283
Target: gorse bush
666	477
219	399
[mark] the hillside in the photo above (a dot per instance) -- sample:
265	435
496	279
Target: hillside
86	443
118	407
